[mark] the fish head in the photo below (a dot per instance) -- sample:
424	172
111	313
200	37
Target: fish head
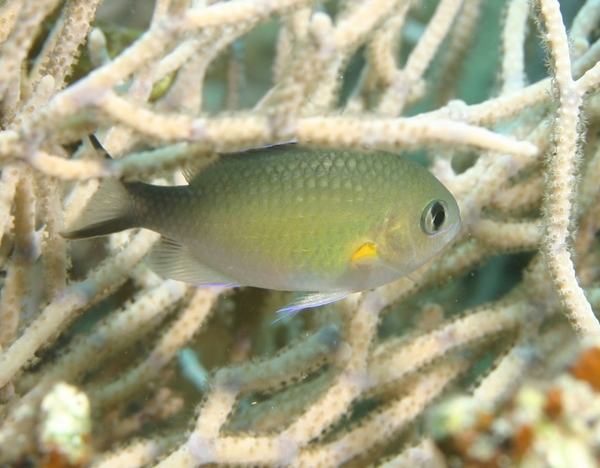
416	231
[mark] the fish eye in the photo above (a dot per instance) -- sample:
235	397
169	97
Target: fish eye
434	217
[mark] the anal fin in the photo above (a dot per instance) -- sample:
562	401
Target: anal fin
171	259
312	299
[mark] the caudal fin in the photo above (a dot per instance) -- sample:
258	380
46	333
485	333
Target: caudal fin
108	211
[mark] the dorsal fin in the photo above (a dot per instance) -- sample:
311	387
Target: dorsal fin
261	149
191	169
101	150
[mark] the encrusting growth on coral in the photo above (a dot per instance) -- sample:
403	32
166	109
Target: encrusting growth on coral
483	355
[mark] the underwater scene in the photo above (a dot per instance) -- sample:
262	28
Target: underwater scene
291	233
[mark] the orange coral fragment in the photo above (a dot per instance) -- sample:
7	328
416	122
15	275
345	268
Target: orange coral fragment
522	441
588	367
554	406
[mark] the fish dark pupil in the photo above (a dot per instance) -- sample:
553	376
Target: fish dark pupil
438	214
434	217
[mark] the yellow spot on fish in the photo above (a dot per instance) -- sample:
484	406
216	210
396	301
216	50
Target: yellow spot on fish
366	251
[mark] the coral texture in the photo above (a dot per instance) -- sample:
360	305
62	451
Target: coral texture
498	97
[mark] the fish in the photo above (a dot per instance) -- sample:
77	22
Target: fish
323	223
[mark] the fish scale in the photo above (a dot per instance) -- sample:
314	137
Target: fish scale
287	218
290	206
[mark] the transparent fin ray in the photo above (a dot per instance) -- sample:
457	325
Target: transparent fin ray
312	299
173	260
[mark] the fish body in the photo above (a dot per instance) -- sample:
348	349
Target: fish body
287	218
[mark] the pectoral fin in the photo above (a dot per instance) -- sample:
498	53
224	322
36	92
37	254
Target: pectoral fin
173	260
312	299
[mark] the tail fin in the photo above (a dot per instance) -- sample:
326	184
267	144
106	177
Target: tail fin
108	211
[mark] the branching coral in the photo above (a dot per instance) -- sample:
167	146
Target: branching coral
349	382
